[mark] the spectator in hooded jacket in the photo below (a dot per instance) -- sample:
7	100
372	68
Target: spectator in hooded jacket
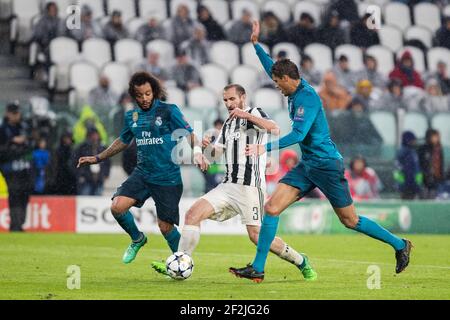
331	33
443	34
362	180
404	70
214	31
303	32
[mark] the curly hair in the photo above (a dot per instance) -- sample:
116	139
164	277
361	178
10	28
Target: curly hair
140	78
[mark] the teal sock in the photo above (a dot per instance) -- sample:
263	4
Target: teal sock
126	221
173	238
266	236
374	230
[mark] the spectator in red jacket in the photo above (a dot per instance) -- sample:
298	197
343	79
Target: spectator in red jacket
363	181
405	72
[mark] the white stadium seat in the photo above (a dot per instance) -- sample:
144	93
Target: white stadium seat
165	49
118	74
321	56
134	24
83	78
384	57
128	51
225	53
440	122
176	96
249	56
291	50
246	76
214	77
218	10
202	98
385	124
63	52
353	53
20	26
418	57
436	54
269	100
419	33
397	14
153	8
417	123
238	5
280	8
96	51
391	37
427	15
126	7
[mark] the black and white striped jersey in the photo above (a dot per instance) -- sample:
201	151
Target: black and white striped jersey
234	137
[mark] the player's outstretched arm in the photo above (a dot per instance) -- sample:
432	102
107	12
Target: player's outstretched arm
266	124
199	159
116	147
265	59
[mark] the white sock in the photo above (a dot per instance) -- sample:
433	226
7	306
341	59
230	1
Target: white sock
190	236
291	255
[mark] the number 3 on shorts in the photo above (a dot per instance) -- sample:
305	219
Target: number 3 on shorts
255	213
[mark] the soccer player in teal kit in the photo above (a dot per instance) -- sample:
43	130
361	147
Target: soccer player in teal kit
156	127
321	166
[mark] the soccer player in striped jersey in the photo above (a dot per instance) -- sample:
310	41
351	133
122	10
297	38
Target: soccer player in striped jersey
242	191
321	166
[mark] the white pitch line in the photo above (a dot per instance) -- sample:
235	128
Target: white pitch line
320	259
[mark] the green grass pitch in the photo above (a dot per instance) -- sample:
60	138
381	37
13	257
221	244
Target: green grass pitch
34	266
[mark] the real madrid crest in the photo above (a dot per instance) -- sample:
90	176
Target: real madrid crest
158	121
135	118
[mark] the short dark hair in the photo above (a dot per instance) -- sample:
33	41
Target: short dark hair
239	89
285	67
140	78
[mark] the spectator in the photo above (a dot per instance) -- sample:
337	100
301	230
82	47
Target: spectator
404	70
89	28
102	98
90	179
15	156
434	101
241	30
272	31
215	173
330	33
442	76
345	76
443	34
431	159
88	118
47	28
362	180
115	30
364	94
214	31
392	100
152	66
308	72
288	160
152	30
347	10
334	97
182	26
408	174
185	74
303	32
370	73
197	48
65	183
361	36
41	161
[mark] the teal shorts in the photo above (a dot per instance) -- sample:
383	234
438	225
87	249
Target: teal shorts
325	174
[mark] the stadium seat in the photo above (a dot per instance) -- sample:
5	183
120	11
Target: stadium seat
96	7
153	8
249	56
291	50
134	24
225	53
63	51
310	7
118	74
196	117
126	7
196	185
128	51
20	26
176	96
353	53
280	8
214	77
384	57
246	76
415	122
397	14
202	98
436	54
419	33
418	57
238	5
446	12
427	15
440	122
96	51
219	10
166	51
321	55
269	100
391	37
283	121
385	123
83	77
191	4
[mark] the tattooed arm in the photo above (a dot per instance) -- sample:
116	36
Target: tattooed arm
116	147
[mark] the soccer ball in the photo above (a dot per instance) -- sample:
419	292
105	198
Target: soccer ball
179	265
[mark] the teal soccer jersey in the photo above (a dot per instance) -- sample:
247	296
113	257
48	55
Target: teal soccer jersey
156	132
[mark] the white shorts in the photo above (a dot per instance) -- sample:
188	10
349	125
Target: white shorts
231	199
